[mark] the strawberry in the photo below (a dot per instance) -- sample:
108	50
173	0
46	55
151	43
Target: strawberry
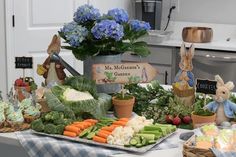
19	82
169	119
176	120
187	119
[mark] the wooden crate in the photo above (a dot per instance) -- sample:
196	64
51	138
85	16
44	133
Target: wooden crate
189	150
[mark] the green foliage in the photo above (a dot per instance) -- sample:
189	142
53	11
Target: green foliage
144	96
199	106
123	97
177	108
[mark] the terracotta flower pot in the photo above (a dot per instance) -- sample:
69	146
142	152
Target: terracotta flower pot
198	120
123	108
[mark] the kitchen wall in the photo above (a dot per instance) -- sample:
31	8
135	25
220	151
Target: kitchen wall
2	49
207	11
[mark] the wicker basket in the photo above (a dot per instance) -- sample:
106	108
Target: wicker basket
183	93
189	150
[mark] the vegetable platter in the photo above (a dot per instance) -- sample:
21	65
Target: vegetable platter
86	141
136	135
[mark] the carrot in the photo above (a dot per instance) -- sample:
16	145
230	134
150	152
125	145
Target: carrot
105	132
114	126
70	134
121	123
108	128
80	126
72	129
124	119
102	134
88	124
91	120
99	139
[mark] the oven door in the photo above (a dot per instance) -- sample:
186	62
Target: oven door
207	64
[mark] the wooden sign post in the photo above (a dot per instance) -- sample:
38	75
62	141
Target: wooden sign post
123	73
23	63
206	87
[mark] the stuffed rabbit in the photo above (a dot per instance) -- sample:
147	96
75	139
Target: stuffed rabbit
224	108
185	77
53	71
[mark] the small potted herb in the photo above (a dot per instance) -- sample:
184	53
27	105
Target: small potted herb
200	115
123	104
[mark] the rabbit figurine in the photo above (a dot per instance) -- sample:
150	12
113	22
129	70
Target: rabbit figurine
185	77
224	108
52	71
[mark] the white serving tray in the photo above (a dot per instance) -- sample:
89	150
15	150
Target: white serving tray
85	141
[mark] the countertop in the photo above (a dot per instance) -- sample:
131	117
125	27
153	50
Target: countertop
224	36
219	45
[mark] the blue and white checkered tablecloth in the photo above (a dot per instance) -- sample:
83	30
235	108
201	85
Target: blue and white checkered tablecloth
43	146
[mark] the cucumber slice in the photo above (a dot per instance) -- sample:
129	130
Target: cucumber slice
85	132
133	142
127	145
144	142
90	135
138	145
151	141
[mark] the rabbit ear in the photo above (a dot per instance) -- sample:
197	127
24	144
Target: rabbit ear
219	80
58	41
182	50
229	85
191	51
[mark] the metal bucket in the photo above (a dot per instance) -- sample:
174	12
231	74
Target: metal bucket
103	88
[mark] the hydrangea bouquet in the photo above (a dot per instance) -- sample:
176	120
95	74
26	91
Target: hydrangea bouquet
91	34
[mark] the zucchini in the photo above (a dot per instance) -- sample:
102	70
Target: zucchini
90	135
144	141
85	132
127	145
138	145
151	141
133	142
147	136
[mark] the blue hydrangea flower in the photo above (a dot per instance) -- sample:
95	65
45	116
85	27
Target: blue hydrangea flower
108	29
119	15
86	13
74	33
137	25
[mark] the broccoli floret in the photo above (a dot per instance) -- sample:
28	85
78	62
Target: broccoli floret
67	121
37	125
53	115
60	128
59	121
50	129
69	114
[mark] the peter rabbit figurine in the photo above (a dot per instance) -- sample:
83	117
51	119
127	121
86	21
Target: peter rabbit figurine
222	106
185	77
52	71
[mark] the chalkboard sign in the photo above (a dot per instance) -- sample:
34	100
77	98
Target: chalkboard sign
206	86
23	62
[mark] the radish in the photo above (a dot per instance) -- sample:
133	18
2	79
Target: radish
176	120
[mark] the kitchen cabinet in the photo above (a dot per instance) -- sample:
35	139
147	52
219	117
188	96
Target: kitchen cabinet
162	58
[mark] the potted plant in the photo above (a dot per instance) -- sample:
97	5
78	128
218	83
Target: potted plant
96	38
123	104
200	115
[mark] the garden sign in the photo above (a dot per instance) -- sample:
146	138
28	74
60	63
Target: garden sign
206	86
123	73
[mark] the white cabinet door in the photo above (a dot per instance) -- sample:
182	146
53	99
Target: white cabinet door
36	21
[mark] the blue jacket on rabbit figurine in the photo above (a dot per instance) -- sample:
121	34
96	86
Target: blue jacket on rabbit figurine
224	108
189	75
229	108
